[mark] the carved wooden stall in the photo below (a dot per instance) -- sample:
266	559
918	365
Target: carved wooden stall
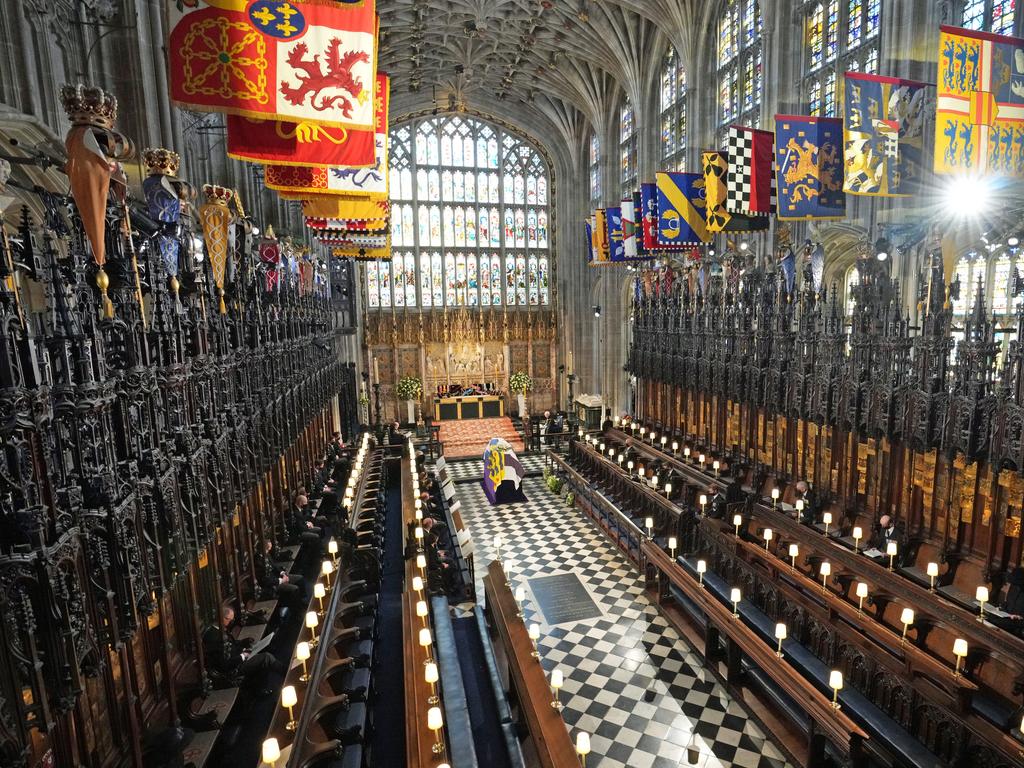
157	411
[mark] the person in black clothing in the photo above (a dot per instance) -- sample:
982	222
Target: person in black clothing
1013	604
811	503
717	503
887	531
396	437
229	657
276	582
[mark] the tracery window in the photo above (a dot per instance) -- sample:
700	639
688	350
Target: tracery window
627	147
990	15
840	36
971	269
740	72
595	169
673	113
470	213
852	279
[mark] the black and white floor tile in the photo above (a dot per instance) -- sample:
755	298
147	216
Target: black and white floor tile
467	470
611	663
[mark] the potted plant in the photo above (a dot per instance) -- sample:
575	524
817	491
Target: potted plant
520	383
410	388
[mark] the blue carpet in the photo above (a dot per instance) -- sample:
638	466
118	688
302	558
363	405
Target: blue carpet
388	743
487	735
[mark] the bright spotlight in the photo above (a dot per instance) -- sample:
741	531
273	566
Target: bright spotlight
882	255
1013	241
967	196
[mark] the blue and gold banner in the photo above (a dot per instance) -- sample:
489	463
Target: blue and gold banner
588	223
681	210
600	235
883	136
809	167
616	246
979	121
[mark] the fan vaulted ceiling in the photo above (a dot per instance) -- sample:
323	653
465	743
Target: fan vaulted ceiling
560	58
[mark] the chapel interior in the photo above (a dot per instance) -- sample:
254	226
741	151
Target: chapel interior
511	384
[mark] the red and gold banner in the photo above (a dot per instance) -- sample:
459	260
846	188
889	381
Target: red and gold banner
330	207
310	144
275	59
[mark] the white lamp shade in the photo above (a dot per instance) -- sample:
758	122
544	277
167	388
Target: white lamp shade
327	568
827	518
288	696
858	532
780	631
668	488
421	561
582	743
775	493
794	550
960	647
891	548
716	465
534	632
430	673
768	534
675	446
933	569
835	680
418	533
686	451
425	638
907	616
311	619
702	566
629	465
557	678
981	595
737	519
672	542
497	542
520	594
862	589
302	651
417	583
825	569
649	522
799	505
332	547
702	458
434	721
703	499
271	751
421	608
735	595
417	503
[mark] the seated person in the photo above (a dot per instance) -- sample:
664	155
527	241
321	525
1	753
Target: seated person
812	507
887	531
229	657
1013	604
274	581
396	436
716	503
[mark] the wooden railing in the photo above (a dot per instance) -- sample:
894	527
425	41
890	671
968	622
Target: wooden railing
547	728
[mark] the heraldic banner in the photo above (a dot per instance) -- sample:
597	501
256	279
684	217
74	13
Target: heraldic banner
979	121
717	214
272	59
287	143
588	224
809	167
616	247
750	181
681	209
600	235
297	182
884	135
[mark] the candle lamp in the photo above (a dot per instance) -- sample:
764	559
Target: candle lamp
825	569
672	546
583	747
332	550
417	585
799	505
890	550
271	752
327	568
780	635
520	599
653	437
906	618
510	572
418	534
320	592
862	592
735	596
686	454
497	548
630	465
557	681
981	595
654	482
431	676
767	538
621	457
649	525
933	571
311	624
675	446
827	520
668	490
702	568
794	550
435	723
775	497
289	699
858	534
703	502
716	466
534	633
422	610
702	462
421	562
960	651
835	682
643	431
425	642
737	521
302	654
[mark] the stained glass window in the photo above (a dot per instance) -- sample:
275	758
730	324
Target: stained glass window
970	269
740	77
595	169
673	113
990	15
627	147
458	184
852	278
829	52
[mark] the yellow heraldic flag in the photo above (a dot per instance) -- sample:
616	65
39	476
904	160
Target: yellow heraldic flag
331	207
601	251
715	168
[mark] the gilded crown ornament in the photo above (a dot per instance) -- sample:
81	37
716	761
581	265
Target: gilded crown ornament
217	195
89	105
161	162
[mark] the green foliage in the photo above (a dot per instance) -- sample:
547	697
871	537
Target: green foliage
520	383
555	484
409	388
570	499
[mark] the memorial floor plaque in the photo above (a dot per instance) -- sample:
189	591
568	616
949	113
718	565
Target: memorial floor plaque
562	598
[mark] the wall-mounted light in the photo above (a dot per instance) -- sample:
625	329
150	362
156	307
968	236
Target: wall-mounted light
597	310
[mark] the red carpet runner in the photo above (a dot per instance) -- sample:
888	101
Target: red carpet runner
469	438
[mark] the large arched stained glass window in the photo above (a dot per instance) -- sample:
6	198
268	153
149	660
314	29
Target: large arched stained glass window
740	73
470	219
595	169
990	15
627	148
673	113
839	36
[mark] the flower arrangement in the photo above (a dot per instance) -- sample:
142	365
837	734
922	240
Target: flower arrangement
364	400
520	383
409	388
570	499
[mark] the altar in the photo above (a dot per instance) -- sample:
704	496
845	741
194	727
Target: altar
469	407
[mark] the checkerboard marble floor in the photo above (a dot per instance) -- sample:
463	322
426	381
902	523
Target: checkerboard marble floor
611	662
461	471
